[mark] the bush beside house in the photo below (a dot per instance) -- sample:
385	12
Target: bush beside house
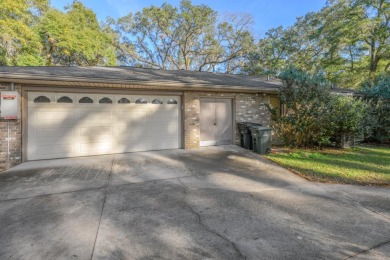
314	115
377	122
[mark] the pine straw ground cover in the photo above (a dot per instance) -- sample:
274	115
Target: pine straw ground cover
364	165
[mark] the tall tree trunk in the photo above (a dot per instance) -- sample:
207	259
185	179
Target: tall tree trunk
373	57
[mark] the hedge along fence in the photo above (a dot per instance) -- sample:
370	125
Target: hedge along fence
314	116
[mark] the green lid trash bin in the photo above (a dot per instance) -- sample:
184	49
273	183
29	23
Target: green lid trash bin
245	134
261	139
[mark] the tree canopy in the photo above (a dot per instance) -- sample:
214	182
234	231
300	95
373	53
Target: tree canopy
75	37
347	41
19	43
189	37
32	33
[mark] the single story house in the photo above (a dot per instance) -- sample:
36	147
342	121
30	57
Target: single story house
80	111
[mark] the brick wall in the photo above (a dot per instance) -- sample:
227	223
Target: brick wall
15	139
191	120
15	144
251	108
246	107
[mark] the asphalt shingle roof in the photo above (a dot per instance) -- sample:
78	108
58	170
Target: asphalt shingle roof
131	74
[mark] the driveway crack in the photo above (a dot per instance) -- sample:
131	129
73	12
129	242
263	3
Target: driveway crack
369	249
104	202
200	221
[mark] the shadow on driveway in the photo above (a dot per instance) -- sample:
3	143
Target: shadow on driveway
216	202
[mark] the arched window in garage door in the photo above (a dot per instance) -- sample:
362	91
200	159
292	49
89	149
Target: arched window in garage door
123	101
42	99
85	100
172	101
64	99
157	101
141	101
105	100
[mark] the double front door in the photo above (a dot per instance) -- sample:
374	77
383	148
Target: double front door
216	121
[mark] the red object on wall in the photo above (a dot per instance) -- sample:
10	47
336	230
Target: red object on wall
8	97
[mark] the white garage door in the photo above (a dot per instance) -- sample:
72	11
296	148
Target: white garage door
69	125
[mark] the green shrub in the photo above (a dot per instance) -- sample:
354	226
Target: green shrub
347	118
380	87
307	116
377	122
313	115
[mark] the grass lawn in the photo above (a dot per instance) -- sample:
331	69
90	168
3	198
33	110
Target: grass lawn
360	165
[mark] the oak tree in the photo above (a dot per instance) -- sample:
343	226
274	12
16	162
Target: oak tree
191	37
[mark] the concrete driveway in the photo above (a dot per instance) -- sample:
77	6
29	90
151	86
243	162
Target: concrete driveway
211	203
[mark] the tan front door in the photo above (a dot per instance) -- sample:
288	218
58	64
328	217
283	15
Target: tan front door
216	121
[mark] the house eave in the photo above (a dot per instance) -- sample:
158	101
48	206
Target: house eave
120	83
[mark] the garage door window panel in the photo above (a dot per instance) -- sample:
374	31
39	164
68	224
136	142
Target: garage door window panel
86	100
141	101
64	99
41	99
157	101
105	100
172	101
123	101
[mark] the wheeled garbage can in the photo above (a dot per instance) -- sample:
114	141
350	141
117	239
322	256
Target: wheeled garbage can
261	139
245	134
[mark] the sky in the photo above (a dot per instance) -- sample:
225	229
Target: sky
266	14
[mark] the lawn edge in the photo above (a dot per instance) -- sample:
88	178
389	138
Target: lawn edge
313	179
